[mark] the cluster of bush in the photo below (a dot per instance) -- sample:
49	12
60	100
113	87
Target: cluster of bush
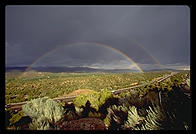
126	111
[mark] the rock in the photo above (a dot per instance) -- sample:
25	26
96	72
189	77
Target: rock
82	124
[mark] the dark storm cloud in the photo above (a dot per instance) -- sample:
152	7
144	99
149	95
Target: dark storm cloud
163	31
84	55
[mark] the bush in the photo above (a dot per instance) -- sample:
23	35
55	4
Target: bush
133	118
188	82
94	115
153	120
96	99
43	111
16	117
109	102
79	111
116	117
39	125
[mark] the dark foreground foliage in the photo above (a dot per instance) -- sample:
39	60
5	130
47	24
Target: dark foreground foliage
164	106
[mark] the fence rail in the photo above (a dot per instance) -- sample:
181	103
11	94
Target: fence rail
18	106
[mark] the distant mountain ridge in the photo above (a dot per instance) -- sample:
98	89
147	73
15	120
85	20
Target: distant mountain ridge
22	69
78	69
67	69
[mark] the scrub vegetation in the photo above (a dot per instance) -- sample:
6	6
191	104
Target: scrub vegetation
157	106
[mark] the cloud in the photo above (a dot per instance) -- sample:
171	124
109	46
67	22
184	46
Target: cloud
163	31
177	66
13	54
122	64
91	55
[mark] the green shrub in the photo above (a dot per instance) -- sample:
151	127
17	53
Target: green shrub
94	115
39	125
123	108
43	111
16	117
104	95
107	122
79	111
133	119
153	120
96	99
188	82
82	99
116	117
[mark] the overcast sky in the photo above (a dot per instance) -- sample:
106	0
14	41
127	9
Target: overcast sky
146	34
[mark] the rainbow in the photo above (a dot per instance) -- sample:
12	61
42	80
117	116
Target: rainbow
148	53
93	43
